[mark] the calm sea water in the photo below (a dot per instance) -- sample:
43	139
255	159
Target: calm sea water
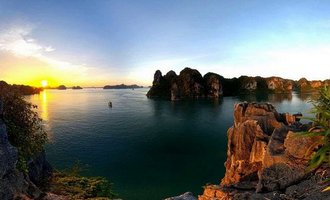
149	149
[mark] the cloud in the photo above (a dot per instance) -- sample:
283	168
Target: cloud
19	42
16	41
49	49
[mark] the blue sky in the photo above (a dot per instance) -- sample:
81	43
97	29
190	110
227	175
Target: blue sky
108	42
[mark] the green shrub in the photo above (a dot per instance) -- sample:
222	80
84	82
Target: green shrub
74	186
321	127
24	127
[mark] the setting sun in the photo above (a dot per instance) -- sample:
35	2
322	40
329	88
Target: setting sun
44	83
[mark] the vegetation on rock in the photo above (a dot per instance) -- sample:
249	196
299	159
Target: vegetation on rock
321	128
24	127
26	133
70	184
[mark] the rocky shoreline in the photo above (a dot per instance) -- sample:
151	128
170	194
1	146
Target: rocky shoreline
190	84
267	159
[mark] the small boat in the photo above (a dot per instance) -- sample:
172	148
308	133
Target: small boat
110	104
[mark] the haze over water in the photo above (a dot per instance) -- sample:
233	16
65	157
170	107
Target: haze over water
149	149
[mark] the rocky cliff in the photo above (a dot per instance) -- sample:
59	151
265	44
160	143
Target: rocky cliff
13	183
191	84
266	159
188	84
305	85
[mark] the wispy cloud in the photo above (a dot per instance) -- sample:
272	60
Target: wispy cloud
18	41
49	49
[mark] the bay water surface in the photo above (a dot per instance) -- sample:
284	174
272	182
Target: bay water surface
149	149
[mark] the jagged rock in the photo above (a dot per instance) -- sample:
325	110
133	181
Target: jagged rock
13	184
185	196
316	84
248	83
264	154
308	189
157	78
213	85
253	124
189	84
39	169
161	87
279	85
304	85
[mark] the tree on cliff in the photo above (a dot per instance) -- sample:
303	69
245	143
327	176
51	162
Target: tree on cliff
24	127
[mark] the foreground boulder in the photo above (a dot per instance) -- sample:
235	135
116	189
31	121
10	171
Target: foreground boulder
266	159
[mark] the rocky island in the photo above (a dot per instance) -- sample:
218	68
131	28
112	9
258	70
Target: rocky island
77	88
61	87
122	86
190	84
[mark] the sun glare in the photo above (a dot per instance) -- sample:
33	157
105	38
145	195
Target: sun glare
44	83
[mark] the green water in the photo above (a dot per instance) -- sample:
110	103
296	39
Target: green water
149	149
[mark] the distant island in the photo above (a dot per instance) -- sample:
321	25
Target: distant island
61	87
122	86
190	84
77	88
22	89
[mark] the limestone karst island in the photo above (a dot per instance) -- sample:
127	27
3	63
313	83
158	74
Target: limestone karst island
164	100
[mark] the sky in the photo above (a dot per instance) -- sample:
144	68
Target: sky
94	43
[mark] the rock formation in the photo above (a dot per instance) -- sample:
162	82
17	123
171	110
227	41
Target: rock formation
77	87
185	196
213	85
266	159
190	84
279	85
61	87
122	86
303	85
14	184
